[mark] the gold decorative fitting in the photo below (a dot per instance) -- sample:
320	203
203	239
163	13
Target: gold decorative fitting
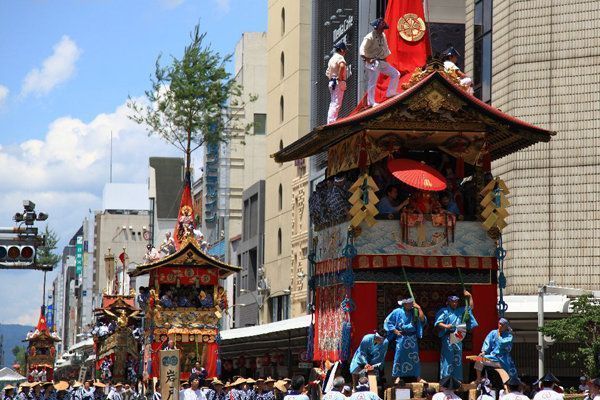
411	27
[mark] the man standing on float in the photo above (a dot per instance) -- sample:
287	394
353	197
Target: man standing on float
336	73
374	50
452	323
407	328
370	355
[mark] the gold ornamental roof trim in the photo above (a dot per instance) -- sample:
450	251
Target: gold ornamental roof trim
189	255
506	134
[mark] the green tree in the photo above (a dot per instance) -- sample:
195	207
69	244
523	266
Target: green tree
19	353
581	327
193	100
45	254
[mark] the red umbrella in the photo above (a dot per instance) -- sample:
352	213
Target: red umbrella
417	174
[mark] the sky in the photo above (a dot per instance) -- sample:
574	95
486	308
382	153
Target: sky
67	68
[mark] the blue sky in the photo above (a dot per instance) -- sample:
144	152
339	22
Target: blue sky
66	69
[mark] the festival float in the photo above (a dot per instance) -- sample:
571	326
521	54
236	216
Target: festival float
427	154
115	334
41	352
184	302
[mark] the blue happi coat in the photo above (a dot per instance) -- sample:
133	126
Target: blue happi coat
368	352
451	354
406	357
497	348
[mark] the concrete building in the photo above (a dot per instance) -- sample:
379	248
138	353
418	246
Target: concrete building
165	183
242	158
533	60
120	226
286	185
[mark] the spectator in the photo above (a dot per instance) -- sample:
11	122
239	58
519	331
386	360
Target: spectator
297	392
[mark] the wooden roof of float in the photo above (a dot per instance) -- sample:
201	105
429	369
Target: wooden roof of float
434	103
189	255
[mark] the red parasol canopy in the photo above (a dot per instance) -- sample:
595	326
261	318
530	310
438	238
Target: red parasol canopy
417	174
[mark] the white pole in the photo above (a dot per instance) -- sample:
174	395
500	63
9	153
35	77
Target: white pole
540	346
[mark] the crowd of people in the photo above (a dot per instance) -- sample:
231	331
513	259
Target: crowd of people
72	390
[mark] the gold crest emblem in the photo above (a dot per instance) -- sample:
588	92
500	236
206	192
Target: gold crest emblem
411	27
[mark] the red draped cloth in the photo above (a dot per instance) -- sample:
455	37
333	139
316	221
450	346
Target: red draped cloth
406	56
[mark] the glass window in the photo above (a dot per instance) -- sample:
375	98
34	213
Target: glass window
478	19
260	124
279	242
280	202
486	69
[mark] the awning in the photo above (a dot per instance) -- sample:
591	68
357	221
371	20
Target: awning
265	329
9	375
84	343
282	336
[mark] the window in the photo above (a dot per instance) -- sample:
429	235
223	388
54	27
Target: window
282	65
482	51
282	21
281	109
279	307
280	202
279	242
280	148
260	124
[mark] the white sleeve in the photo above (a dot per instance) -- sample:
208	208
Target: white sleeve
363	45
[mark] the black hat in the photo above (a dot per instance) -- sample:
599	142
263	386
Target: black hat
549	378
339	46
376	23
450	382
451	51
514	381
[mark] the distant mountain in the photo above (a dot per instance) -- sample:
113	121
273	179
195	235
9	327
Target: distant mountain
13	336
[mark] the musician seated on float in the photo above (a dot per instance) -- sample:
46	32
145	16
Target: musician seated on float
390	205
448	204
450	57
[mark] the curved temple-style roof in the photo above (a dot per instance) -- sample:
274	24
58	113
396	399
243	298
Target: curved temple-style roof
463	112
189	255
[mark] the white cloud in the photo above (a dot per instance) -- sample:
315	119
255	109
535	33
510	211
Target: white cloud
223	5
3	95
64	174
172	3
56	69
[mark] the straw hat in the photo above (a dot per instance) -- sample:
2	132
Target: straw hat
25	385
44	384
99	384
217	382
62	385
270	380
250	381
8	387
118	384
34	384
239	381
280	385
77	384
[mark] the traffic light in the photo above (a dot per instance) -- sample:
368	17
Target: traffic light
17	254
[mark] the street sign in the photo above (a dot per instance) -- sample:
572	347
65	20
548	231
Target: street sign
79	255
169	374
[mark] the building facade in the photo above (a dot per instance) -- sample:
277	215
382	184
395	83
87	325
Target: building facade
121	227
533	60
286	185
165	183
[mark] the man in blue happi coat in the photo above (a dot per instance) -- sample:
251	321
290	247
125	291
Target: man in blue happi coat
407	327
452	323
370	354
496	350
